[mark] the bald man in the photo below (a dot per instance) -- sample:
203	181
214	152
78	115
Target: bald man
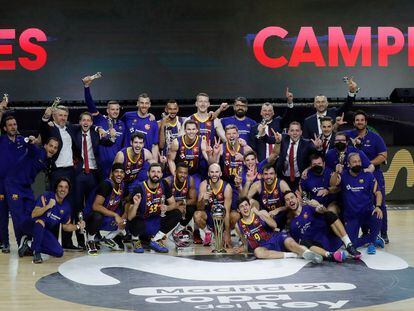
213	190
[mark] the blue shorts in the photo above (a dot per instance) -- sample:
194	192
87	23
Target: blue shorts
276	242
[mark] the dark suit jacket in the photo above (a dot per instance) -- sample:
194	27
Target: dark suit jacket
49	129
305	149
78	141
278	124
330	143
310	125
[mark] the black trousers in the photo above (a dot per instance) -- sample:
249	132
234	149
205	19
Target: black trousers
188	215
84	186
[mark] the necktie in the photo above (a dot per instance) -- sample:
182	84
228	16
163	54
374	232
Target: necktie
325	144
85	154
291	162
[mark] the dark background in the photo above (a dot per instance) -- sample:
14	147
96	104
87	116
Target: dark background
175	49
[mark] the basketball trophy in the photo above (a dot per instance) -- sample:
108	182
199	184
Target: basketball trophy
82	231
263	123
185	208
162	202
96	76
110	126
183	240
4	102
56	103
341	157
346	80
218	212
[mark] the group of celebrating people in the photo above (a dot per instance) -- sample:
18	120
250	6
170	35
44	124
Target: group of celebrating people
289	187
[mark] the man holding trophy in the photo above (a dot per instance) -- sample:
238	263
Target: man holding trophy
213	192
115	128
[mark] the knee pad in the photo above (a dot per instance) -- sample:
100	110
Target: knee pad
330	217
306	243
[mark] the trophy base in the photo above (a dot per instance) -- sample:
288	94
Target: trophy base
185	251
219	251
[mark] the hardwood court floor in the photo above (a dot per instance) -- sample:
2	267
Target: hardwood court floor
19	275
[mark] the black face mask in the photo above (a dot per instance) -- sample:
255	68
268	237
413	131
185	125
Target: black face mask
340	146
317	169
356	169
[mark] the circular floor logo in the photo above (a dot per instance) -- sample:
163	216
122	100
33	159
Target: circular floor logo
160	282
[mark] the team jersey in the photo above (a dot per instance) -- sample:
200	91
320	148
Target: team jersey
312	227
206	128
270	200
259	172
308	225
131	167
256	232
244	126
372	144
151	199
314	183
11	152
230	167
135	123
357	193
190	154
29	165
333	158
171	132
58	214
113	197
217	196
181	193
108	150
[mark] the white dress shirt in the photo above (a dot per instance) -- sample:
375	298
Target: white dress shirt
286	171
65	157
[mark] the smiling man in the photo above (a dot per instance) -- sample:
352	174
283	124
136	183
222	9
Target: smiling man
106	211
135	160
243	123
19	194
143	122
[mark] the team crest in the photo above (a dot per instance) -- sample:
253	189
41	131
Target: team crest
361	181
305	216
15	197
147	126
61	212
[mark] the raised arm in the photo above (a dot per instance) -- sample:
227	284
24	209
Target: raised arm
172	153
219	129
350	99
41	207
